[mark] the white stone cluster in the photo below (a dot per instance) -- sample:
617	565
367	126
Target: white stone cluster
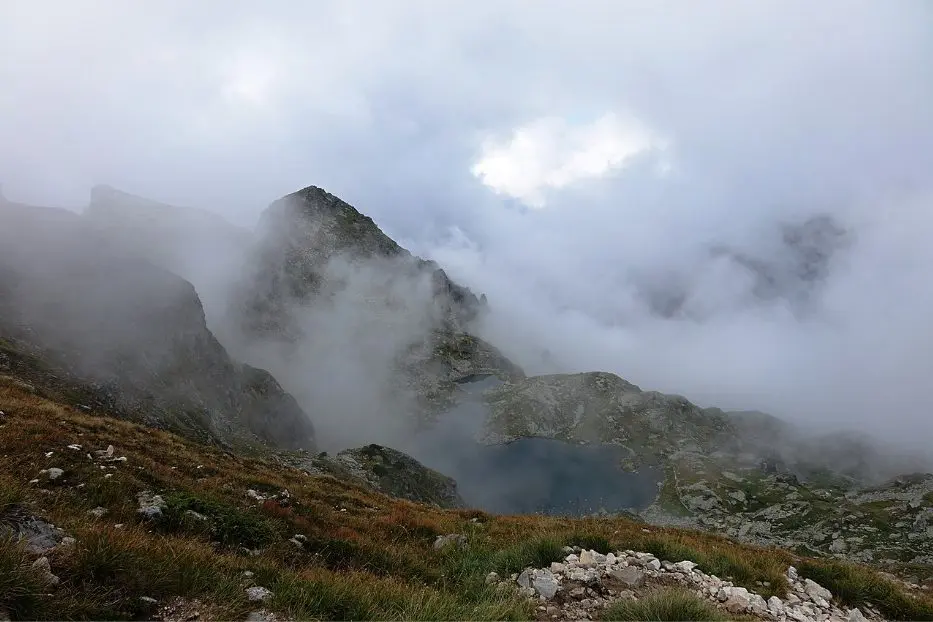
587	581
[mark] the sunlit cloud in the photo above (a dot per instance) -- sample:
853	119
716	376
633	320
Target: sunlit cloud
551	153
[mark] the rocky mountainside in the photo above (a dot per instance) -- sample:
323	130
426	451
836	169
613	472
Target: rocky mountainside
129	332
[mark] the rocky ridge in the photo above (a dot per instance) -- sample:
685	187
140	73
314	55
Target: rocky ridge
586	582
389	471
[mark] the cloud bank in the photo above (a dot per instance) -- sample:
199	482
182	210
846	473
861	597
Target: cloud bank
581	163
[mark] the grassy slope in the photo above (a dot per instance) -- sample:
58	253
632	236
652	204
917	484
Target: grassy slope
367	556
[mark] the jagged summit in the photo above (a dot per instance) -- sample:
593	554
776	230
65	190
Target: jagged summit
339	225
311	245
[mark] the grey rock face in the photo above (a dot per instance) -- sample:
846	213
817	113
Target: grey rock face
150	505
39	535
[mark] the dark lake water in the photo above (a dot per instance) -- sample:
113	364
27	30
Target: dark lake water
531	475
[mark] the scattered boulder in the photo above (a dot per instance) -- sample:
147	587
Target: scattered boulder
53	473
45	570
452	539
150	505
685	567
258	594
546	584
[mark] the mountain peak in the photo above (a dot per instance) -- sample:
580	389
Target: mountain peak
336	226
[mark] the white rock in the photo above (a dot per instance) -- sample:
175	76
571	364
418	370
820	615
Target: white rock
819	594
685	566
653	564
855	615
258	594
775	606
524	578
611	559
492	577
546	584
53	473
587	558
792	574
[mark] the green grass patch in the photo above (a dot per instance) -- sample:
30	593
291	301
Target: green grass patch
12	492
744	567
855	586
672	604
227	524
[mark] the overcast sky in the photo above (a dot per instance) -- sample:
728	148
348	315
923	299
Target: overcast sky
567	158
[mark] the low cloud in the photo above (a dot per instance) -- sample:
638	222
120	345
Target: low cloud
552	153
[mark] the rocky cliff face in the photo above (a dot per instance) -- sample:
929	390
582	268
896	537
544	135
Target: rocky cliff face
134	331
303	233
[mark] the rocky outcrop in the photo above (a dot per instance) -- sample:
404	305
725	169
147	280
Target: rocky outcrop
885	525
132	332
389	471
599	407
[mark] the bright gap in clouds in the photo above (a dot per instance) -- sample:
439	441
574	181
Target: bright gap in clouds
551	153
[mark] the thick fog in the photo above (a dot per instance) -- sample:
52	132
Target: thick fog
729	202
